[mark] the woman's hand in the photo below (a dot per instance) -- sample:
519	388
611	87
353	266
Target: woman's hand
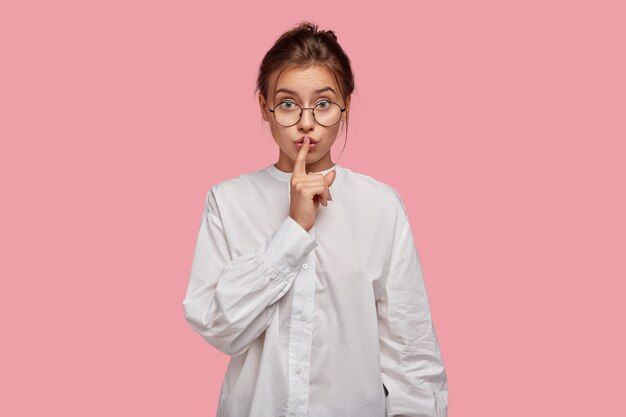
308	190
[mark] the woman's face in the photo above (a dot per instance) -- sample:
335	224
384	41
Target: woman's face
299	85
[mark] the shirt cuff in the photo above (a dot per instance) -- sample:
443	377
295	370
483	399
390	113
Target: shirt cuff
288	247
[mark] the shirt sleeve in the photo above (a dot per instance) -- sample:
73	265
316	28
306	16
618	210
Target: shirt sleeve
412	368
230	302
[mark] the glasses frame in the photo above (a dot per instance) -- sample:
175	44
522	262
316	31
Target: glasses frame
302	109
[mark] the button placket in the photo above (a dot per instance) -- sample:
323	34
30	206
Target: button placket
300	337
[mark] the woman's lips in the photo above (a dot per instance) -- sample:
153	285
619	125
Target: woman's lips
301	139
312	142
311	145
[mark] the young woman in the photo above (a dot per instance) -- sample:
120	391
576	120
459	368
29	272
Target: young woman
305	273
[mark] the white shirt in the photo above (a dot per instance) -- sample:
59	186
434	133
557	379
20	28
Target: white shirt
315	322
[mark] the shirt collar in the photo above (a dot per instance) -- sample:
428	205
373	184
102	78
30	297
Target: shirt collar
286	176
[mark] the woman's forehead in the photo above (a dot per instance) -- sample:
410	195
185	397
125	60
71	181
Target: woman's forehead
311	80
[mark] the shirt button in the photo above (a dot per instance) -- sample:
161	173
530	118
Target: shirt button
303	317
298	371
305	266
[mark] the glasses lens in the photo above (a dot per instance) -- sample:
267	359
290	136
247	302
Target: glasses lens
327	113
287	113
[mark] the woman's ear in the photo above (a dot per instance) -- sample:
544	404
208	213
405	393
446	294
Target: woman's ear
263	107
345	115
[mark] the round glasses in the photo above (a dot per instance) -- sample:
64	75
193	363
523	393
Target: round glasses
287	113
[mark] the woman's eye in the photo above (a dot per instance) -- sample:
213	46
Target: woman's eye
323	104
287	104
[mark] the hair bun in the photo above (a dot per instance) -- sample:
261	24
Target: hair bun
331	34
306	26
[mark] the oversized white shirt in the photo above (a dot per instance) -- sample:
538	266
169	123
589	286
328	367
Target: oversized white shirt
321	323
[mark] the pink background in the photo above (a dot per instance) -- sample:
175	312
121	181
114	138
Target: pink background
501	125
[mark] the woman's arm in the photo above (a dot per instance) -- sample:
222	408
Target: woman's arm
230	302
412	368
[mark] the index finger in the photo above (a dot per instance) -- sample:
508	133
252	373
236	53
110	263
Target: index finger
300	164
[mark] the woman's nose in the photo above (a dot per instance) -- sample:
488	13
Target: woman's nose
307	119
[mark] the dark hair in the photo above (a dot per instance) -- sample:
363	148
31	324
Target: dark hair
304	46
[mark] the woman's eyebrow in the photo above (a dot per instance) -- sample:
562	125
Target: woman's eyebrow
319	90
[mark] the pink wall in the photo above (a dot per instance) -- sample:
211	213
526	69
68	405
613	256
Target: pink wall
502	127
